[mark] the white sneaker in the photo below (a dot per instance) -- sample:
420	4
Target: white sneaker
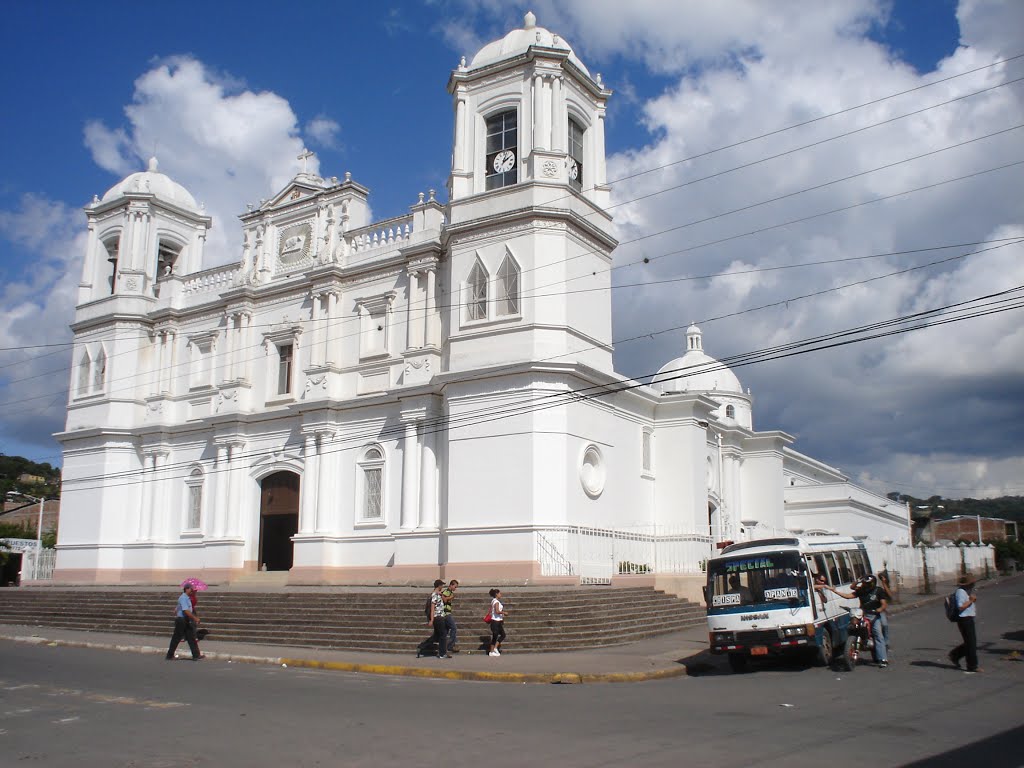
494	653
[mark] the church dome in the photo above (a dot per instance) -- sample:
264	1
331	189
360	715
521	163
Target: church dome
152	182
696	371
518	41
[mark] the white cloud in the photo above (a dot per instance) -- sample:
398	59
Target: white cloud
891	408
38	304
323	131
228	145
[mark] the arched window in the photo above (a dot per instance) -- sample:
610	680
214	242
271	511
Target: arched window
194	486
371	485
113	248
84	364
501	167
476	287
99	371
507	299
647	466
575	154
166	258
730	412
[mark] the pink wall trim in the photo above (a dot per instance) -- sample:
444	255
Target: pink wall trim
483	574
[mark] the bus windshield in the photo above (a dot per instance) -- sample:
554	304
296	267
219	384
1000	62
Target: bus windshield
773	580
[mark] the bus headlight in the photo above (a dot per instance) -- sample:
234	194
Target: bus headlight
794	631
723	638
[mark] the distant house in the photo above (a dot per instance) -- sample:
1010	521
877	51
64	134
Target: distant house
27	479
965	528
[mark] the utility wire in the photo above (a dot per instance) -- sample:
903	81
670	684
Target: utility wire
525	295
358	261
925	319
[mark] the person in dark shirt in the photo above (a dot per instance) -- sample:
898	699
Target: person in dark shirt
874	603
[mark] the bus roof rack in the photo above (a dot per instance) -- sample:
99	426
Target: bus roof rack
780	542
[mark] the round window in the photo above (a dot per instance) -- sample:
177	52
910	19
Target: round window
592	473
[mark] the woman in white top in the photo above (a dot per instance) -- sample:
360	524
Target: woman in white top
497	623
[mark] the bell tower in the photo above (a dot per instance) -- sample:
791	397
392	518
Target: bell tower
146	231
145	228
527	109
530	242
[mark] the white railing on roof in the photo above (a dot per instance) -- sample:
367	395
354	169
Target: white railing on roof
388	233
211	280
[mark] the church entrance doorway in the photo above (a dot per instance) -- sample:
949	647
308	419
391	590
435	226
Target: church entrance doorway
279	519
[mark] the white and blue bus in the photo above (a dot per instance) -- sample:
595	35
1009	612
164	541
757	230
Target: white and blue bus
761	599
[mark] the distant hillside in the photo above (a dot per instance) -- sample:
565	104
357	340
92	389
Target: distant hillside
1006	507
20	474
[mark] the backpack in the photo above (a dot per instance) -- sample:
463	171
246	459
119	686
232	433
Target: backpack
951	607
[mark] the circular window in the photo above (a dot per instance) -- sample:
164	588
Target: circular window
592	474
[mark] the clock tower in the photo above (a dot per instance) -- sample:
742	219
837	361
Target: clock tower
529	240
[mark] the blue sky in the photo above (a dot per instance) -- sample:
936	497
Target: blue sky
225	93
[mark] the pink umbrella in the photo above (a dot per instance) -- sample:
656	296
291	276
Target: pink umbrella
197	584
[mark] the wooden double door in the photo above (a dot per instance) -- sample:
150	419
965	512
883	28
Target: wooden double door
279	520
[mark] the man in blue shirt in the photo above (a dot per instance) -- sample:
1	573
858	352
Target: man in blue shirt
185	625
965	600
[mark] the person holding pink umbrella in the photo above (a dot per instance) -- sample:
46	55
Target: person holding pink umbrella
184	624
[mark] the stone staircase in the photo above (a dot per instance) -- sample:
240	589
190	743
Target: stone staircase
382	619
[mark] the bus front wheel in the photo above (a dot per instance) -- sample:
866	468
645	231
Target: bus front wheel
738	662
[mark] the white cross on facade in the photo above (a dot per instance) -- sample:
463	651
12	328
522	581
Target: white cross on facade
304	155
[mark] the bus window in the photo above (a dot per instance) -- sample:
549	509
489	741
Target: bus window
845	572
819	566
833	569
859	568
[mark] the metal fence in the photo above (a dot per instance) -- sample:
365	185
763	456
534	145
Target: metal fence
595	555
38	565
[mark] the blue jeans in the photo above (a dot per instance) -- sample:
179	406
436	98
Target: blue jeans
883	619
452	628
878	635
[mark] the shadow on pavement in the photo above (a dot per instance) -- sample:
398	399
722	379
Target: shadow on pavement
1003	749
935	665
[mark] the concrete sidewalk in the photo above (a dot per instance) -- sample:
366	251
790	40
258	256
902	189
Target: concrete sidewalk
655	658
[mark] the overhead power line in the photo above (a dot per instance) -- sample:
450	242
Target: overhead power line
1000	302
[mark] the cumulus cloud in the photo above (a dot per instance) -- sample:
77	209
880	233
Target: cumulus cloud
891	412
323	131
38	302
225	143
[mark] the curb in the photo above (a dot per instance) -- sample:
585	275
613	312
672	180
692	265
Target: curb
394	670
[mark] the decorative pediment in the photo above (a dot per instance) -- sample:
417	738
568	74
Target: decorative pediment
296	191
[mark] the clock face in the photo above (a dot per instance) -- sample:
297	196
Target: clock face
503	161
574	169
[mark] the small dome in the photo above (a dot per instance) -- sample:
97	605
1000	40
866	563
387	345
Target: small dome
696	371
152	182
518	41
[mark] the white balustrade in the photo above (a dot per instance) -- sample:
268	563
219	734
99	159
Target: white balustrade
211	280
385	234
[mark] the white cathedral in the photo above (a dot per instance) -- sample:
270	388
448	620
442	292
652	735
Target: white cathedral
357	402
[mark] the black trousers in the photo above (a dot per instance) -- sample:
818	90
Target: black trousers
183	628
969	647
440	637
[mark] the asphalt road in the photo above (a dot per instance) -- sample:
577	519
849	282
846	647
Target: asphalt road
88	708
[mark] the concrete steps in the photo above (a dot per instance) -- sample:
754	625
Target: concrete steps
371	620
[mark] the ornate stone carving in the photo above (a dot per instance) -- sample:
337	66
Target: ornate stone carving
550	169
316	381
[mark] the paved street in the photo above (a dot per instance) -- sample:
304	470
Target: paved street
85	708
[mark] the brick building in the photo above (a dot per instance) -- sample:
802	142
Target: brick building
965	528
